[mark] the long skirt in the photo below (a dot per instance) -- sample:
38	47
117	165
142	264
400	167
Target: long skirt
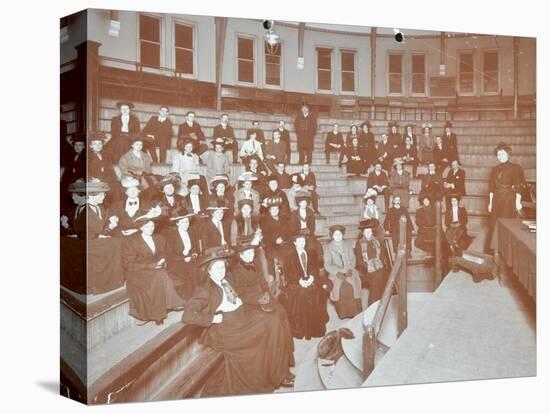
105	267
307	311
425	239
375	282
152	294
184	275
458	239
73	264
257	350
356	167
347	306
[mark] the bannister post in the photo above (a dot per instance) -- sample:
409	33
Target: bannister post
402	279
369	348
438	231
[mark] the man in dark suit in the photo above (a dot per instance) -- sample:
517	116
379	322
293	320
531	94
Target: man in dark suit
306	128
260	137
225	131
334	142
391	224
309	182
455	183
450	142
159	130
285	137
282	176
378	180
190	128
123	127
441	155
432	184
275	233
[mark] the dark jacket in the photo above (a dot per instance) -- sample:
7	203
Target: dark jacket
294	223
211	237
162	131
185	130
457	178
306	128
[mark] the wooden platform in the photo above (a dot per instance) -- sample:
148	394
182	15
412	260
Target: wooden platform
466	331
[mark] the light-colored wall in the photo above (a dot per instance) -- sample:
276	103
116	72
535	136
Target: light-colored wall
76	28
126	47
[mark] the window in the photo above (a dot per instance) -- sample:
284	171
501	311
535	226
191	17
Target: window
490	72
348	71
273	64
418	74
184	48
245	60
324	69
149	40
395	74
466	73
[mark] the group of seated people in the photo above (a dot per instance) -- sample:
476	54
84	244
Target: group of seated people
360	150
242	260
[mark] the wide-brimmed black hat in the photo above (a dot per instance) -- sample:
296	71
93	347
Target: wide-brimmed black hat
393	124
193	181
245	243
368	224
367	123
454	194
336	227
272	177
503	146
251	131
371	194
220	179
301	233
96	136
170	178
423	196
127	103
302	195
448	124
215	204
181	213
244	202
139	137
215	253
93	185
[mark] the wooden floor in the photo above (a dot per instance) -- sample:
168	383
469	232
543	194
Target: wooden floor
467	331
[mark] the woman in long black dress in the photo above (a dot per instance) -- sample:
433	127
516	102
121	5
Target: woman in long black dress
505	184
183	248
425	222
456	233
356	165
255	347
150	289
369	259
306	290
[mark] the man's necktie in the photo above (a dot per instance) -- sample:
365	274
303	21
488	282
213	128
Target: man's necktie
303	260
229	292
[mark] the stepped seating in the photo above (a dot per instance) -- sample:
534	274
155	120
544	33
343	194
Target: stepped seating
128	361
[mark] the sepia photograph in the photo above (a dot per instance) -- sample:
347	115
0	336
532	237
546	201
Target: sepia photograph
252	206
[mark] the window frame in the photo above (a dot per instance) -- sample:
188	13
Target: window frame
162	42
281	70
426	78
341	72
193	26
390	53
332	88
458	73
482	77
254	60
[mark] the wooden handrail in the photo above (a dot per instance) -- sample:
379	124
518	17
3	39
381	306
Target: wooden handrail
399	274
